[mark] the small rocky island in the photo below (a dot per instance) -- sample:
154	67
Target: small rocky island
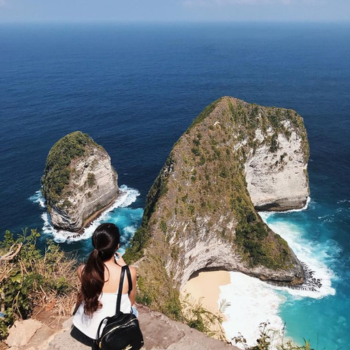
79	182
201	212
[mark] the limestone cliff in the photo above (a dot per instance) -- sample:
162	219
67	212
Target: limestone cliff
200	212
78	182
276	169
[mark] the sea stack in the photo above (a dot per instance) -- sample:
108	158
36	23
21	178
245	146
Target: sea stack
79	181
201	212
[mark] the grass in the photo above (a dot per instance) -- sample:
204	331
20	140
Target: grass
196	316
34	278
270	339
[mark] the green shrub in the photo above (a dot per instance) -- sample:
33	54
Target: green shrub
196	142
163	226
202	160
224	173
198	317
267	340
274	143
196	151
91	179
31	276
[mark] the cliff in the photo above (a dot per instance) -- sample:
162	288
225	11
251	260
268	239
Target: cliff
201	210
276	168
78	182
159	332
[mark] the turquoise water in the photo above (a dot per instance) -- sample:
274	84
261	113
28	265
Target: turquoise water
320	316
121	213
136	88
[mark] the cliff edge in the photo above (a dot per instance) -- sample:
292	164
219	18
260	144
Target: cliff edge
78	182
200	213
159	332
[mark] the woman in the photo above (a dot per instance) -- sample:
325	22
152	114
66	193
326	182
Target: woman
100	281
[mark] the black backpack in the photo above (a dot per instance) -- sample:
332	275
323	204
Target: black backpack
121	331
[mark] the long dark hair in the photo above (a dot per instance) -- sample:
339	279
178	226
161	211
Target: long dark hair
105	240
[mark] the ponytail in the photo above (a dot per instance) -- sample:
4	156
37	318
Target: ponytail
105	240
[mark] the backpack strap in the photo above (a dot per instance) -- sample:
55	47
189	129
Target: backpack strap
120	290
129	278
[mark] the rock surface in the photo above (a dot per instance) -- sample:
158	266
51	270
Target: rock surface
21	332
278	180
200	212
160	333
79	181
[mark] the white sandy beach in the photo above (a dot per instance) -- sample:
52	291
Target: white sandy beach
205	288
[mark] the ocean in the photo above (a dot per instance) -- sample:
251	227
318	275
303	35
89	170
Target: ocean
135	88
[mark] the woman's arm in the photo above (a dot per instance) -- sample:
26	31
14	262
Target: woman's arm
132	294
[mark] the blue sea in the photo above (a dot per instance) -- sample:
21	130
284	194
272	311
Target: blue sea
136	88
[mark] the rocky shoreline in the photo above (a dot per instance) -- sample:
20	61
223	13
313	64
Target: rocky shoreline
95	216
310	283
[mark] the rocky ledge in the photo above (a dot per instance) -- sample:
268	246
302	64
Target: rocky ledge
201	213
79	181
159	332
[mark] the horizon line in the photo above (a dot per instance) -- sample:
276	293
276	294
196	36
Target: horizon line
178	21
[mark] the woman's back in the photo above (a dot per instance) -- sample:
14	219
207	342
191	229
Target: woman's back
108	298
112	278
100	278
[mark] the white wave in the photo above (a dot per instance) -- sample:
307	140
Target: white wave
315	255
327	218
265	214
343	201
301	209
127	196
38	198
130	230
251	303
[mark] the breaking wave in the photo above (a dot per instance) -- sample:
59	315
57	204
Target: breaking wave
128	227
253	301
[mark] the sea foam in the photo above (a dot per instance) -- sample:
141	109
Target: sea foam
38	198
253	301
127	197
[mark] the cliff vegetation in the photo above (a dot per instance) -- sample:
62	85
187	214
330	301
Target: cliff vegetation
57	172
30	277
199	213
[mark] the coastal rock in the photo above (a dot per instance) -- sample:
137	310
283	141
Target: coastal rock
26	329
278	180
79	181
201	213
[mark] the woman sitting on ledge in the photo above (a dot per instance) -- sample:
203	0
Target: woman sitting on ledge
99	283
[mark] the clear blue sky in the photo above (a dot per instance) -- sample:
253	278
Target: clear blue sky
173	10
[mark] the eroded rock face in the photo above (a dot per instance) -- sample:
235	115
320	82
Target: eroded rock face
201	210
213	253
79	182
278	180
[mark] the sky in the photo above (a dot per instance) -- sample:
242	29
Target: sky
174	10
